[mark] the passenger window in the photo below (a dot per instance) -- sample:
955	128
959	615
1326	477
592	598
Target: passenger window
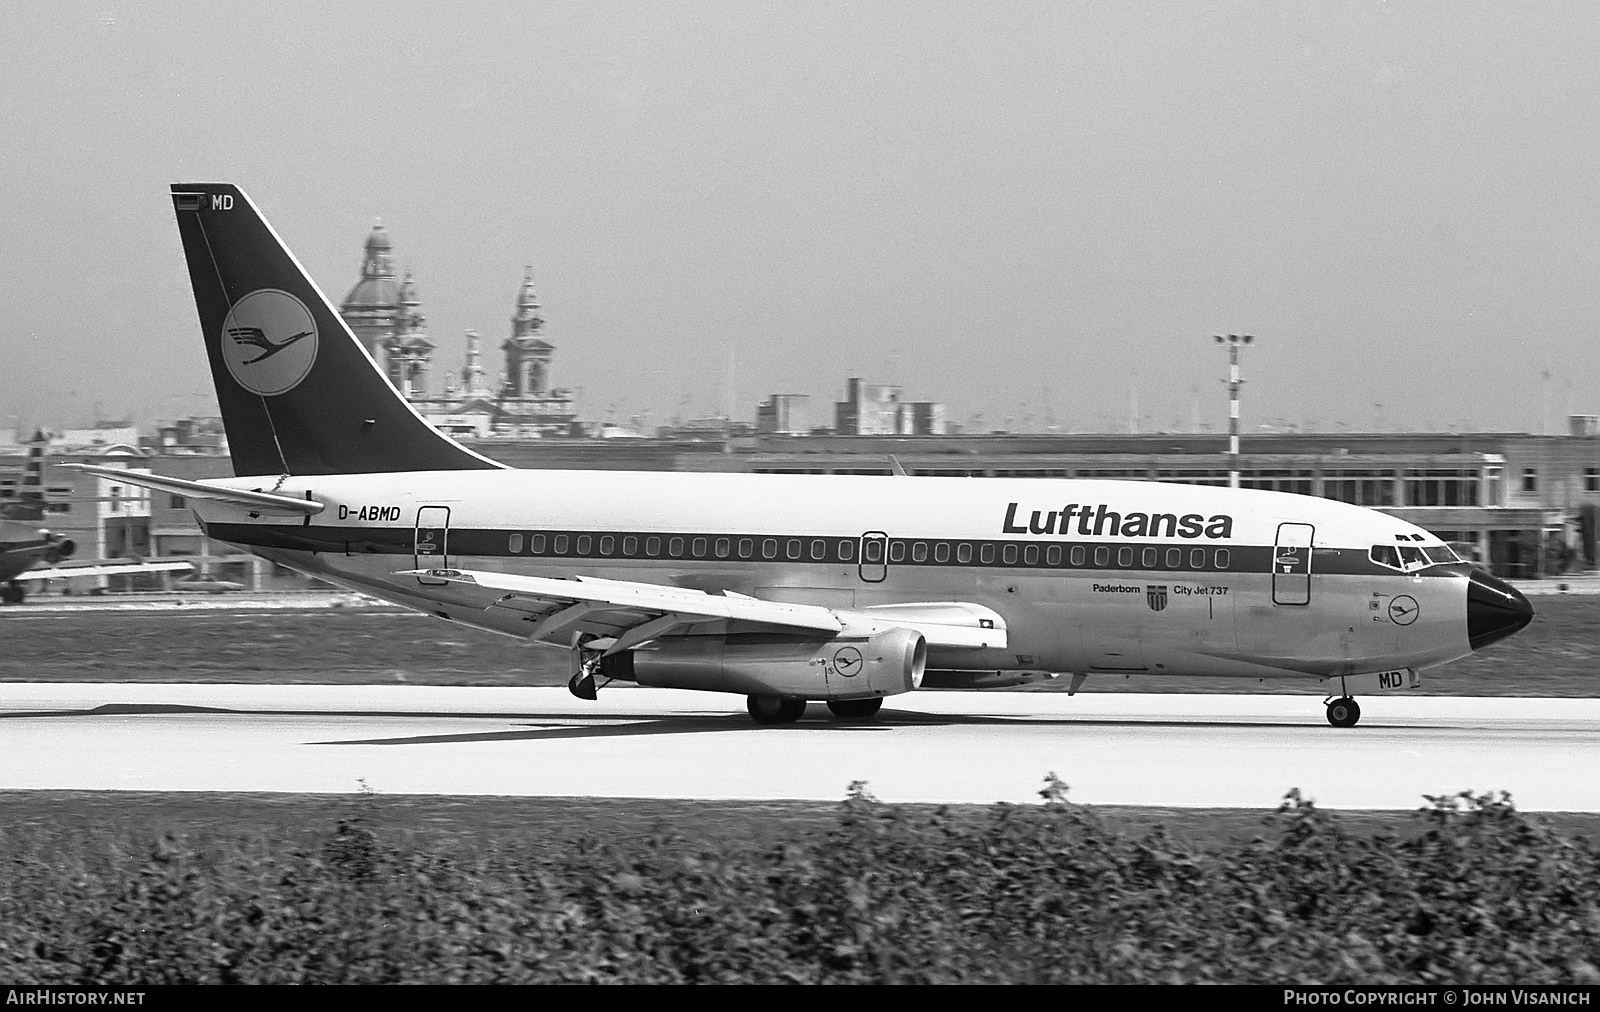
897	551
941	552
986	554
584	543
698	548
561	544
1124	557
847	551
1197	559
608	544
919	552
1052	555
652	547
1102	556
1223	557
1151	557
675	548
1078	555
536	546
792	549
963	553
630	546
1174	558
1009	553
769	548
724	547
1030	555
819	550
515	545
747	548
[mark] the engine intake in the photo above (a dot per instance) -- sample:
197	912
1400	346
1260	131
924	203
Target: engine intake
884	664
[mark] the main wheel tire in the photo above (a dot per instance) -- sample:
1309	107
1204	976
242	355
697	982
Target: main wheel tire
12	593
1344	712
855	709
775	709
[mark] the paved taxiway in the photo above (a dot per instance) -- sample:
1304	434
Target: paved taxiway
1183	750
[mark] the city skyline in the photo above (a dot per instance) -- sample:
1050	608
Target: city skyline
1022	212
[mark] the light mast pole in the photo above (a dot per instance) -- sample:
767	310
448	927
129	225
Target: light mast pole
1234	343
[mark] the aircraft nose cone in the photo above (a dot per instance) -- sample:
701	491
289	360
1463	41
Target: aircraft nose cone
1495	610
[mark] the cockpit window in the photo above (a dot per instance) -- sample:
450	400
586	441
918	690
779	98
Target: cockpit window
1441	553
1385	555
1407	558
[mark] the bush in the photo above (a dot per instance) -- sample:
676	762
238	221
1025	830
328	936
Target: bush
1476	893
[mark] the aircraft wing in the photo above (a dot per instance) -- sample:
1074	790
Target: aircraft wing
631	614
109	569
264	503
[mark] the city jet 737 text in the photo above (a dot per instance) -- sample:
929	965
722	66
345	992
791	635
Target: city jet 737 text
788	588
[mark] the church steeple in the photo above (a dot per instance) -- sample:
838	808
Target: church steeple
472	371
526	322
527	354
409	350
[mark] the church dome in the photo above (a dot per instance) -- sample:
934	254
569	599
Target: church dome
377	288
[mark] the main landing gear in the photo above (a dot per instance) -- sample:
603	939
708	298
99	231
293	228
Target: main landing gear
1343	712
582	683
783	710
775	709
12	593
856	709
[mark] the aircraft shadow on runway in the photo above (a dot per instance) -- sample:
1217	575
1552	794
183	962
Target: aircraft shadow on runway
610	725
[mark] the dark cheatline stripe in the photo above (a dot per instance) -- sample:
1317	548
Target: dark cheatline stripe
604	545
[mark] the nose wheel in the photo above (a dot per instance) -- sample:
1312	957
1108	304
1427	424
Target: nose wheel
1343	712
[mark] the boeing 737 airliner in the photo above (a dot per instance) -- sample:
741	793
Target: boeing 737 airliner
788	588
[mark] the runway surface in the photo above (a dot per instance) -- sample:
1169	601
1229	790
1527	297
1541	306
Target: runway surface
944	747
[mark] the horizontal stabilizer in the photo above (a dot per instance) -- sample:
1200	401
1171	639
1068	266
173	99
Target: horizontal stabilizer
265	503
110	569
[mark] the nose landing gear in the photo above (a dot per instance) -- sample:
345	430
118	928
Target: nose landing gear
1343	712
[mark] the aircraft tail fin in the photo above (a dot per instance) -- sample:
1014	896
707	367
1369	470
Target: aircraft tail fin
299	394
29	503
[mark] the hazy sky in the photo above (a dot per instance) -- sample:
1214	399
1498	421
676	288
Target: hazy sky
1029	211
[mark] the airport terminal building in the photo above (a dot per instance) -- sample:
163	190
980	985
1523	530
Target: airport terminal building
1523	505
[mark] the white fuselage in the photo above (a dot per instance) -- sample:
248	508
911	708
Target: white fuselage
1090	576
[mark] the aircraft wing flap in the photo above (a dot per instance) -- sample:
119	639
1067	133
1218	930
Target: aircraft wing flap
560	606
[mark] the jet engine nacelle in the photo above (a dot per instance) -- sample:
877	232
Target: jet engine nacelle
883	664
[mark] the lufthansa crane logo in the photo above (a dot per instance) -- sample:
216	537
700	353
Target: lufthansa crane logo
269	342
1403	610
847	661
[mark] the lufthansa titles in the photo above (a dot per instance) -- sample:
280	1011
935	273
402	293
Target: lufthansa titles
1098	521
